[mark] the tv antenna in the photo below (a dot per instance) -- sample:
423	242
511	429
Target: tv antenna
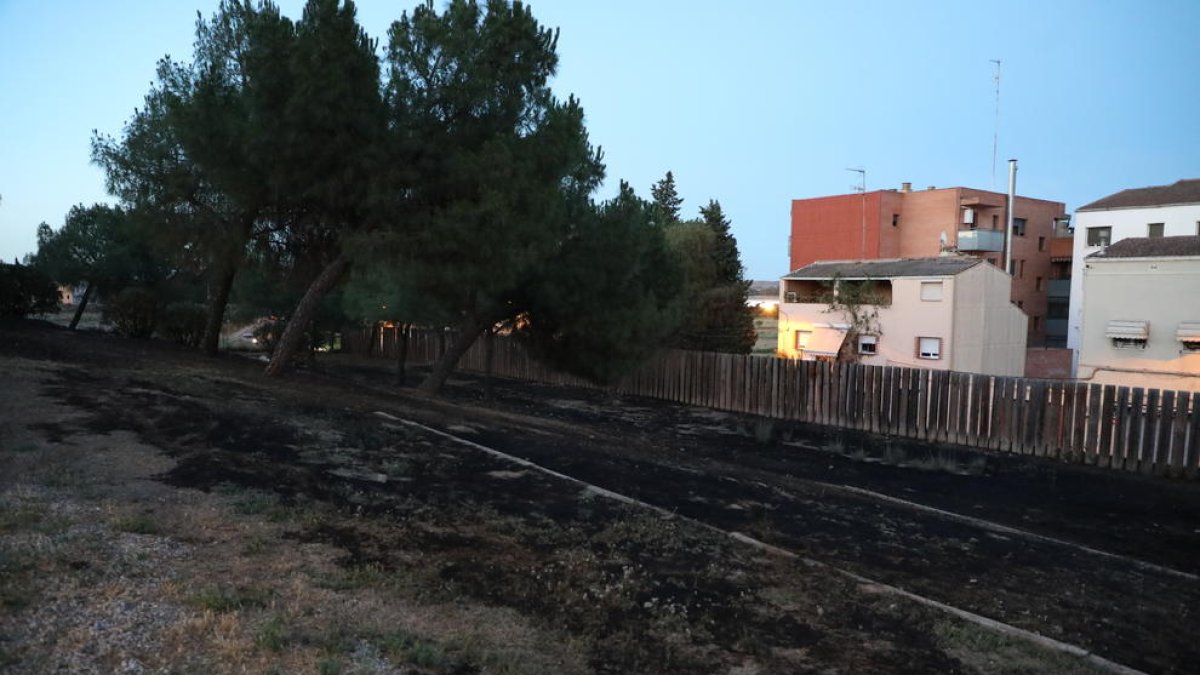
996	127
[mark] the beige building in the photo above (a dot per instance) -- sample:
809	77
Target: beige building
1140	323
946	313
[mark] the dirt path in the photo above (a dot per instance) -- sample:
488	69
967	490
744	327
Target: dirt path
281	524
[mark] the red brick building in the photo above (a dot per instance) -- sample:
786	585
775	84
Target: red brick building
913	224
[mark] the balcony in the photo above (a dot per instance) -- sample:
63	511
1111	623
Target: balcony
980	240
1058	288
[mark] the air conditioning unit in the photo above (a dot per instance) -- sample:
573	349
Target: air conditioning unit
968	216
792	296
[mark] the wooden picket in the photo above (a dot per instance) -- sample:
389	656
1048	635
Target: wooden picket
1122	428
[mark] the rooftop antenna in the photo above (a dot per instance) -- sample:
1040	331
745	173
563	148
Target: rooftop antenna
996	127
862	188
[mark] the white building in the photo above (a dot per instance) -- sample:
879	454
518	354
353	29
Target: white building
945	313
1158	211
1141	314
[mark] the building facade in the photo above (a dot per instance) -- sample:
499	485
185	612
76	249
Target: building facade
947	313
911	224
1140	315
1157	211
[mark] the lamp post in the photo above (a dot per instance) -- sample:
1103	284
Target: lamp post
862	188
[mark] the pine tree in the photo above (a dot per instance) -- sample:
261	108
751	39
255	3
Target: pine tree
667	202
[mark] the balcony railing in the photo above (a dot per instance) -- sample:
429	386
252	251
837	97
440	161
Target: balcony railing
980	240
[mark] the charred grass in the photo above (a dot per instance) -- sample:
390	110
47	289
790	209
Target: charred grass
177	515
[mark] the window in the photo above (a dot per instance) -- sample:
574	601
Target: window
995	222
931	291
1099	236
1012	268
1037	321
1128	343
1154	230
895	220
1018	227
867	344
1037	284
802	338
1022	274
929	348
1041	243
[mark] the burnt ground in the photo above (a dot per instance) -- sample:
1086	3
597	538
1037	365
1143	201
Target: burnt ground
627	589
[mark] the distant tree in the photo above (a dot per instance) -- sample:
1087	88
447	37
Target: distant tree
667	202
716	316
608	300
98	247
25	290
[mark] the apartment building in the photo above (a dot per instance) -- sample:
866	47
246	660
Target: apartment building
1151	212
909	223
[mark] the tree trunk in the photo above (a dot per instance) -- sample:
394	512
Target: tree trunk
218	300
471	329
489	354
376	334
87	294
293	334
402	331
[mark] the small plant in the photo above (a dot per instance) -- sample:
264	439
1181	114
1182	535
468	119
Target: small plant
229	599
331	665
137	524
272	634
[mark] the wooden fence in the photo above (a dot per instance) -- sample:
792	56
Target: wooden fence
1131	429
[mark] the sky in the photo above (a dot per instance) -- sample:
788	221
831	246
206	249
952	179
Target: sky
751	104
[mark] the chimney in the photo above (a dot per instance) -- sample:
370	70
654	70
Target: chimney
931	187
906	187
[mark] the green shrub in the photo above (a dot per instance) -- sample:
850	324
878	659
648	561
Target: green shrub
183	322
24	291
132	312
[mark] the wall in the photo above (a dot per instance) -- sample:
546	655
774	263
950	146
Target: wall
1125	223
1140	289
989	331
831	228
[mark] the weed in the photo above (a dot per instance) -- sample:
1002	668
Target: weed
23	517
137	524
353	577
329	666
764	431
229	598
409	648
272	634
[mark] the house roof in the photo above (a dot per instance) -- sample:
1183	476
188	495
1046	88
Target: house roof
1179	192
1152	247
882	269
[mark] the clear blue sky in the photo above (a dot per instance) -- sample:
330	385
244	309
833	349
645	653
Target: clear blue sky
752	104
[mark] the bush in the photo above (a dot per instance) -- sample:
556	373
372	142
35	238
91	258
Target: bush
132	312
24	291
183	322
